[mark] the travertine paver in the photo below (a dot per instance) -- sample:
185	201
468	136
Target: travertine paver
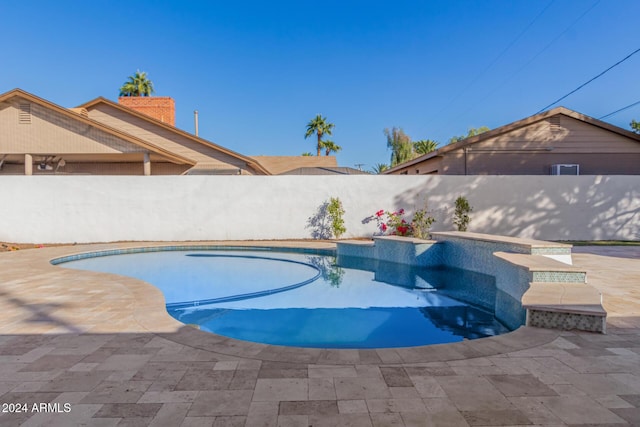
104	346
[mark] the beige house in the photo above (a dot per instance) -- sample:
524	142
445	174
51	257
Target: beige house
135	136
558	142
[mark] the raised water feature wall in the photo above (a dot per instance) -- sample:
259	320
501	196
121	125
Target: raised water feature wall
539	274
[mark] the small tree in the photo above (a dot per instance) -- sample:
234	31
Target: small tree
400	145
461	216
635	126
336	211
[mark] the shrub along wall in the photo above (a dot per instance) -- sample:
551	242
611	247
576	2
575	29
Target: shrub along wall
66	209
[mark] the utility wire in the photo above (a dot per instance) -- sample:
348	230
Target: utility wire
617	111
540	52
590	80
496	59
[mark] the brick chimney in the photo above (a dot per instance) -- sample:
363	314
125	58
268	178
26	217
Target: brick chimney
162	108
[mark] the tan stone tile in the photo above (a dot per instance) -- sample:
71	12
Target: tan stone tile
599	384
321	389
534	410
226	365
281	389
473	393
396	405
168	396
495	417
579	410
341	420
386	420
361	388
520	385
293	421
353	406
198	422
404	393
221	403
309	407
170	415
324	371
428	387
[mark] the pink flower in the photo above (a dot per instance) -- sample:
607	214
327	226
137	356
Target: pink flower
379	213
383	227
401	212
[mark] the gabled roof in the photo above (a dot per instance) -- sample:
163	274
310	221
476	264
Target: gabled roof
325	171
514	126
248	160
98	125
279	164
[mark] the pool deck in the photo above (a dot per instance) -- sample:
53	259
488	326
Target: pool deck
105	345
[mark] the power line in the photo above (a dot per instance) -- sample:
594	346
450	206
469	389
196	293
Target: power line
496	59
540	52
622	109
590	80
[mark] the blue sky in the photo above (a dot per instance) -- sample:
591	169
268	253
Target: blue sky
258	71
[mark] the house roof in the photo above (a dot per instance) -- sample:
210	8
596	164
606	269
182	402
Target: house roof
514	126
79	116
325	171
279	164
248	160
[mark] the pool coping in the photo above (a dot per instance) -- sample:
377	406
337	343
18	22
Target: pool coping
150	313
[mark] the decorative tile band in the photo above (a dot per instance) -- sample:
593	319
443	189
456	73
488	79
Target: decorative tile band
566	321
551	251
559	276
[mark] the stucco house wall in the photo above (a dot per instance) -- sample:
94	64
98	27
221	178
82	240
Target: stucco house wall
168	139
531	146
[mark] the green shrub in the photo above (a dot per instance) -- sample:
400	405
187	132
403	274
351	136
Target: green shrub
336	211
461	216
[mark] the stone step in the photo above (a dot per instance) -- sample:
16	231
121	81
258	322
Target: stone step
564	306
545	269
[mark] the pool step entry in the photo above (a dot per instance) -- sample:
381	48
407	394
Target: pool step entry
540	274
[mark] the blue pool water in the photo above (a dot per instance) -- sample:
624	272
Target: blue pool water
308	300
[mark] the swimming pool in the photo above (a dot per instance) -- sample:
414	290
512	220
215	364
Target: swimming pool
313	300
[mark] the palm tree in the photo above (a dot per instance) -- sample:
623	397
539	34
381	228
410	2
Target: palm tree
330	146
319	126
425	146
379	168
138	85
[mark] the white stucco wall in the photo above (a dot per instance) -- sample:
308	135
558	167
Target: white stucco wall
65	209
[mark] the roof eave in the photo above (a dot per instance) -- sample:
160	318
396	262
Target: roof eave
248	160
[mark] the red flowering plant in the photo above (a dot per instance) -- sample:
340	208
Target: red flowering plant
395	224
